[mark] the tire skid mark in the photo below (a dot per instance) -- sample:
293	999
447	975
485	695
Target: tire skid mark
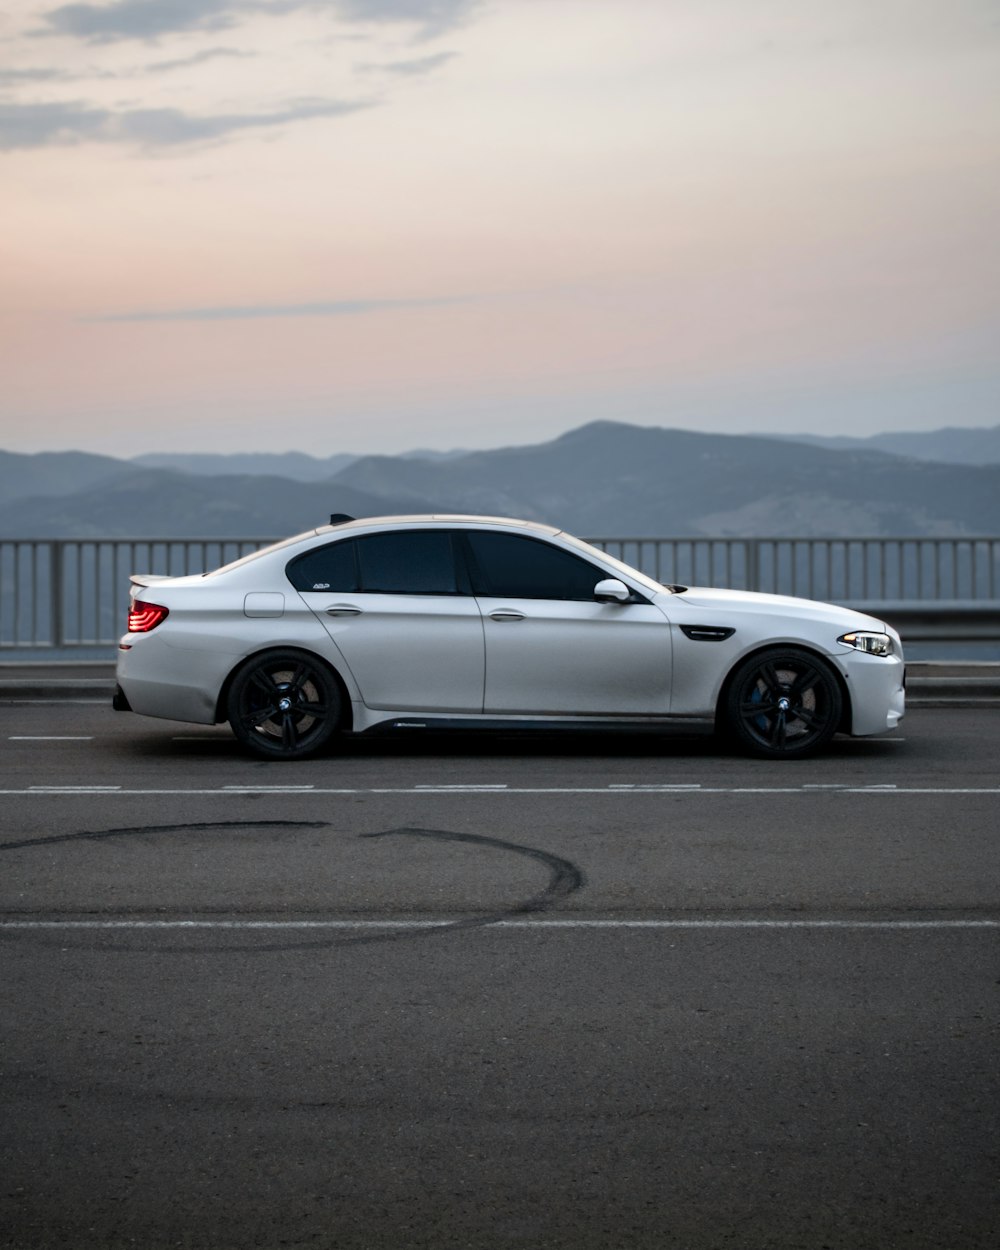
565	878
98	835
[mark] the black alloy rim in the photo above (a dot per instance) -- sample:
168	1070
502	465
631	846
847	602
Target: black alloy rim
784	705
284	705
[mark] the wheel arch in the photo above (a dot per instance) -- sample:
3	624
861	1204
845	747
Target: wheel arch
846	709
348	707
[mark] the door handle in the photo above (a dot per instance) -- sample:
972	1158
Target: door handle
343	609
506	614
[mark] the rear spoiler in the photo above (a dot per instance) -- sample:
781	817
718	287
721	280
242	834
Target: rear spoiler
147	579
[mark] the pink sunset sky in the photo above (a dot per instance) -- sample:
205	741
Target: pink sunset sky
374	225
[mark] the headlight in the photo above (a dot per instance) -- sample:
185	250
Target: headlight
873	644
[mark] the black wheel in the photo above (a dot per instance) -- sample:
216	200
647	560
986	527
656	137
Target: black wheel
783	704
283	705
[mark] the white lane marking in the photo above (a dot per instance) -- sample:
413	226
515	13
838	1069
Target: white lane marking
636	785
447	789
568	923
267	789
618	791
51	738
73	790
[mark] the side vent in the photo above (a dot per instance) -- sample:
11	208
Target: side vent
707	633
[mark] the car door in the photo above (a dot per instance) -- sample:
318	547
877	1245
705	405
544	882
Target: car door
551	648
399	611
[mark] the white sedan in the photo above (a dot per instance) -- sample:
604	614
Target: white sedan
466	622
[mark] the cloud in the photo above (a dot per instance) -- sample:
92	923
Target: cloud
256	312
149	19
138	19
423	65
433	16
50	124
17	77
38	125
199	58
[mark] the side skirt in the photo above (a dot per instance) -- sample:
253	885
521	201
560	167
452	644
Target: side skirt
651	725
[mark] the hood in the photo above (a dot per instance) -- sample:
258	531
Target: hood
775	605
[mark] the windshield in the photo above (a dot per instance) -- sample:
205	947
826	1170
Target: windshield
656	588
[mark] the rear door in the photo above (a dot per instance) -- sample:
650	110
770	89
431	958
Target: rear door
398	609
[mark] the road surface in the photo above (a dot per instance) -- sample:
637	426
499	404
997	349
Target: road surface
501	992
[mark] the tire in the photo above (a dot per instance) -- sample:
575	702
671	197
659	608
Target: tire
783	704
284	705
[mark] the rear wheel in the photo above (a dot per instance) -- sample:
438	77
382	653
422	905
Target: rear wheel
284	705
783	704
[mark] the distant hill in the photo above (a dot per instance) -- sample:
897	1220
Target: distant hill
294	464
956	445
150	503
53	473
605	479
608	478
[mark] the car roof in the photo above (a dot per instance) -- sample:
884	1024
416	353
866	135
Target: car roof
285	548
437	518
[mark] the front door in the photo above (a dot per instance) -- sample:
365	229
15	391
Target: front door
551	648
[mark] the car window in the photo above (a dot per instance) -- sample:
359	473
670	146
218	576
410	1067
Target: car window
512	566
408	562
400	562
333	567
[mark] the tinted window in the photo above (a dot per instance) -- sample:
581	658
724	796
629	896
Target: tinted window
510	566
326	568
408	562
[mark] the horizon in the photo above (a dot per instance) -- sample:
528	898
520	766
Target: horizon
453	223
415	452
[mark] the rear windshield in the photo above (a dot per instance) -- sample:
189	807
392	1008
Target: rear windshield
261	551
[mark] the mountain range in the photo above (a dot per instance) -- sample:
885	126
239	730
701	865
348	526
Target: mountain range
605	479
954	445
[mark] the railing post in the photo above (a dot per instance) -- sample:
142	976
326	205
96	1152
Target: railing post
58	620
753	564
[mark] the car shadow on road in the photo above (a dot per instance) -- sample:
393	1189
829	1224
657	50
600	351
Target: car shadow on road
216	742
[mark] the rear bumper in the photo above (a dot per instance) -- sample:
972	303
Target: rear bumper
155	679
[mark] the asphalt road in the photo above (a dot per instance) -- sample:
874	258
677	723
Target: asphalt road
526	993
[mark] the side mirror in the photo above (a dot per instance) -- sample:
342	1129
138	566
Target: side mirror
611	590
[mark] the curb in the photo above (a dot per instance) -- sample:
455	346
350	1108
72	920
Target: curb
58	681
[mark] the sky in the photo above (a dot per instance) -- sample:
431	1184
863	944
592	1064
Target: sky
377	225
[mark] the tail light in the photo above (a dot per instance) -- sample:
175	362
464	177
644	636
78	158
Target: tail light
142	617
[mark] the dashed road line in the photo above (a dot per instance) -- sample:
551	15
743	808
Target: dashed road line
617	790
267	789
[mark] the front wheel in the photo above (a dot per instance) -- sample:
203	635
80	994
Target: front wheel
783	704
283	705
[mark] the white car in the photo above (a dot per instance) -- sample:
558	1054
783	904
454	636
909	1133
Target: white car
451	621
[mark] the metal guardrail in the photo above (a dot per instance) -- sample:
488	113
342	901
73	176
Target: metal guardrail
71	594
838	570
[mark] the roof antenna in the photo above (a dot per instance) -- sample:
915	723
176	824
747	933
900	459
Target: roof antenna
338	518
